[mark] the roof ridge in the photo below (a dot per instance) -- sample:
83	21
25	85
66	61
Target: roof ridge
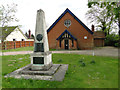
67	10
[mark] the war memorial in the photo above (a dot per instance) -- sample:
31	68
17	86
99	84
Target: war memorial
41	67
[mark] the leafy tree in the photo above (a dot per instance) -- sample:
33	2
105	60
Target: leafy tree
7	14
112	40
113	9
103	16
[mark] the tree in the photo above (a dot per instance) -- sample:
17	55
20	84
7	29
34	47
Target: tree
113	9
7	14
102	16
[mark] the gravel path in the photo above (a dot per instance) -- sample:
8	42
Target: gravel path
104	51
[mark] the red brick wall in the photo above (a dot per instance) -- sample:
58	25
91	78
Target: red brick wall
76	29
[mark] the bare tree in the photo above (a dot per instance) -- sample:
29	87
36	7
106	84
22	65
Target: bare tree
7	14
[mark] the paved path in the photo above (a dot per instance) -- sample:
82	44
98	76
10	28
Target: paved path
105	51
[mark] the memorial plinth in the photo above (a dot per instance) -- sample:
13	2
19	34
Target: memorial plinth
41	60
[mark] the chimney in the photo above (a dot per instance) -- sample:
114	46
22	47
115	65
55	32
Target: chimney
29	33
92	28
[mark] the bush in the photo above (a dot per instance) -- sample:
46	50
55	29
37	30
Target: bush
112	40
117	44
92	62
60	60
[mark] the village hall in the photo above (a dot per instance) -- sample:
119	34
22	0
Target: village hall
69	32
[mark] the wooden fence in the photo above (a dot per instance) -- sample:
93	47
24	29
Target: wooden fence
15	44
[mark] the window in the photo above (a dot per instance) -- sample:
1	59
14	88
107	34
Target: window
60	43
67	23
85	37
14	39
72	43
23	40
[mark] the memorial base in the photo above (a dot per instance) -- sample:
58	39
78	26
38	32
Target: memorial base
55	73
41	60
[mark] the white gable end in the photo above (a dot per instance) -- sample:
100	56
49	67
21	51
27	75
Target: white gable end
17	35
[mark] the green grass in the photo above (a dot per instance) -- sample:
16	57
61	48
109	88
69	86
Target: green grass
101	74
23	49
19	49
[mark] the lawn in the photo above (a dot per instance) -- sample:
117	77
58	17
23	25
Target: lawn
23	49
19	49
102	73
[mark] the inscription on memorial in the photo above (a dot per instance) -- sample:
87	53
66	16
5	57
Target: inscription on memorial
39	47
38	60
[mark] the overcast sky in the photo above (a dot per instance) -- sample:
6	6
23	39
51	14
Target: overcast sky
27	10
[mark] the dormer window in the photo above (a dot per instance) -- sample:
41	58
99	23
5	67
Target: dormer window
67	23
22	40
14	39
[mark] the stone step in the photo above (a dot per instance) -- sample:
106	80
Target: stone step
51	71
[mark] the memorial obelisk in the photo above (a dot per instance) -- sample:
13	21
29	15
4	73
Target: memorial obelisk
41	58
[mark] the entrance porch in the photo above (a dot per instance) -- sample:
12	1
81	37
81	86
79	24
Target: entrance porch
66	41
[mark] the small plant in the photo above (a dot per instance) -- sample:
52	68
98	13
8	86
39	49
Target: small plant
92	62
80	61
60	60
83	64
74	66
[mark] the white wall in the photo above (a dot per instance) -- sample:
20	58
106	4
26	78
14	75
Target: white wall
30	40
16	34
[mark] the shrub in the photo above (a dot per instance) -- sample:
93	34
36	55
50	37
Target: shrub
60	60
83	64
112	40
117	44
92	62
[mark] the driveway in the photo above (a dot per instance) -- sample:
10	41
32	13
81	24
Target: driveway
104	51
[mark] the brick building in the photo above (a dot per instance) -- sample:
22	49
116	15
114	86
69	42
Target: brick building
69	32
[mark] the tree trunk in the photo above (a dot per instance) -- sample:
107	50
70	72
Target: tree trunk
119	26
119	30
104	30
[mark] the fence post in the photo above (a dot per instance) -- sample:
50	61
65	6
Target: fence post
14	45
25	43
29	43
5	46
20	43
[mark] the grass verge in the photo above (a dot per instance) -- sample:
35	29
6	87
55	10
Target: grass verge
19	49
97	72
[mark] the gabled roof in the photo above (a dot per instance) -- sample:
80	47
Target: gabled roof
6	31
64	33
67	10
